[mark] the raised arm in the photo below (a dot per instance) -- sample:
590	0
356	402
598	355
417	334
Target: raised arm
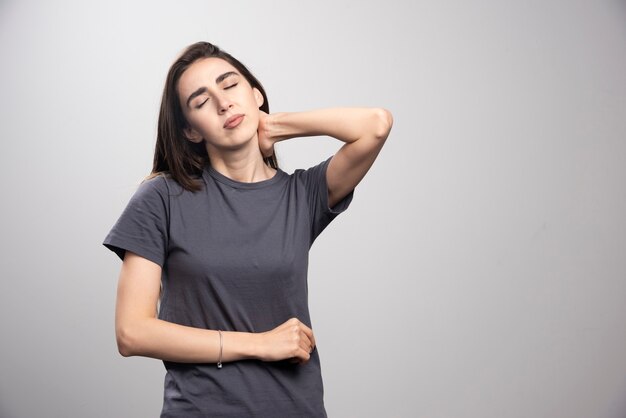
140	333
364	131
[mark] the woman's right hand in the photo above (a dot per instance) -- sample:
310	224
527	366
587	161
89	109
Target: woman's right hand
291	340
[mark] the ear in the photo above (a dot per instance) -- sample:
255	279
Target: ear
258	97
192	135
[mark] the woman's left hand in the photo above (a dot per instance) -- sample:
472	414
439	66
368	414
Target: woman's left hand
266	143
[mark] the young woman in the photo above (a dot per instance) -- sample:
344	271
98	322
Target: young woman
215	242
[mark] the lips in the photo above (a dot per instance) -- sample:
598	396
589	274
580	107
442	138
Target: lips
233	121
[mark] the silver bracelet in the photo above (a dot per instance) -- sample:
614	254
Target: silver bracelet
219	362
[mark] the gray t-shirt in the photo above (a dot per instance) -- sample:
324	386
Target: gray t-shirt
234	257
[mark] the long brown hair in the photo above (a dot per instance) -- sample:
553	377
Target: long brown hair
173	153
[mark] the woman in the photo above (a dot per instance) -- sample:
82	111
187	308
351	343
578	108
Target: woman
215	242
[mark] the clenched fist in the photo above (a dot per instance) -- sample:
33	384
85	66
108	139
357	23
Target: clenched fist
291	340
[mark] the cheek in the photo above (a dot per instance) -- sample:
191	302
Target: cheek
208	122
253	119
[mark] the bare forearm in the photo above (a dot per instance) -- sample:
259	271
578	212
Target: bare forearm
346	124
152	337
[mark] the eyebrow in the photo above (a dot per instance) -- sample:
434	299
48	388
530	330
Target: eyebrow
218	80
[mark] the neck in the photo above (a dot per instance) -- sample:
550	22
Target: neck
244	164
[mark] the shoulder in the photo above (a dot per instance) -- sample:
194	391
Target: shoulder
154	184
162	184
312	171
314	176
154	191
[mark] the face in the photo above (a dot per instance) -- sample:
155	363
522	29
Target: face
210	92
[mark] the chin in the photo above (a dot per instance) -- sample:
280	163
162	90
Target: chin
240	141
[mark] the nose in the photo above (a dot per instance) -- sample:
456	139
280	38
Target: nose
224	103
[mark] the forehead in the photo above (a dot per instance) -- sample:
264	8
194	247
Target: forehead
202	73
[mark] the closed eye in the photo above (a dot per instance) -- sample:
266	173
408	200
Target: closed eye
225	88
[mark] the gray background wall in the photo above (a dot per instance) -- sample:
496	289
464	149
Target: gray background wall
481	269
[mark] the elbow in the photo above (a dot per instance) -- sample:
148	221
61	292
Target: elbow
126	344
383	123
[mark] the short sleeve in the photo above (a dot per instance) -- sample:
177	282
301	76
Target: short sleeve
314	179
143	226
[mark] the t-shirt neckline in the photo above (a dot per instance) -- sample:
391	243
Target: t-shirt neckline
241	184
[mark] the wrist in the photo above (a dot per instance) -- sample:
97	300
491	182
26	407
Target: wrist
238	345
254	344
